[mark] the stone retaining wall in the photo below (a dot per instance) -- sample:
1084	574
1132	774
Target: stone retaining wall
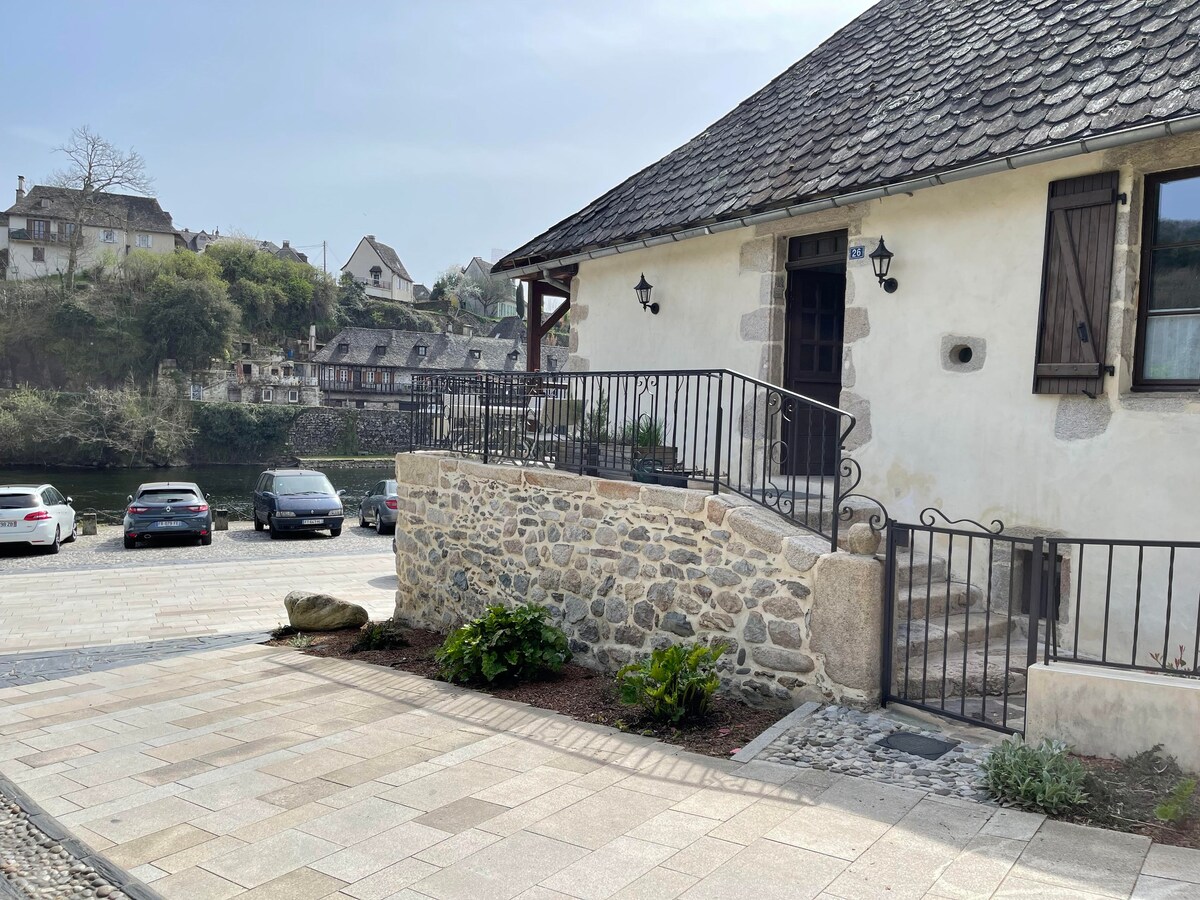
326	430
625	567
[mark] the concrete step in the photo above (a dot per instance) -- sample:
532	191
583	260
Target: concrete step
970	628
956	595
926	683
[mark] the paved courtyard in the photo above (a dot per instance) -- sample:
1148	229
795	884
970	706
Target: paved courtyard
248	771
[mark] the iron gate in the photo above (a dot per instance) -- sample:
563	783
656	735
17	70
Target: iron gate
962	604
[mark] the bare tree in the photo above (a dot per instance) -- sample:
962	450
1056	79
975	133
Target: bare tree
95	167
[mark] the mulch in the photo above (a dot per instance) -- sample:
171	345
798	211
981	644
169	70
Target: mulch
580	693
1124	793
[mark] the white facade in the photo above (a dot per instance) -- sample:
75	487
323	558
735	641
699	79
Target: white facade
377	275
36	250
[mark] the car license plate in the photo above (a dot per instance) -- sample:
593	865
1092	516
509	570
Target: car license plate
8	523
313	522
168	524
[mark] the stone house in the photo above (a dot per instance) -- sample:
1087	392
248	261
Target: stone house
372	367
377	267
481	269
1033	355
40	224
284	376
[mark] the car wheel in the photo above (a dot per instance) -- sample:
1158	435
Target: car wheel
53	548
380	528
130	543
70	538
258	525
334	532
272	529
205	540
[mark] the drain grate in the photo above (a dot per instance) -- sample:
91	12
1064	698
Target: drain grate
917	745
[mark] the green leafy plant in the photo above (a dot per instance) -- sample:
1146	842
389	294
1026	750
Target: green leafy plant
593	424
1042	778
674	684
301	641
504	644
1178	803
643	432
379	636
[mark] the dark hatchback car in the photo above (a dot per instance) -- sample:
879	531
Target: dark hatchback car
174	509
296	500
379	508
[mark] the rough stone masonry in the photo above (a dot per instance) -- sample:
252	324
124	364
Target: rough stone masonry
625	567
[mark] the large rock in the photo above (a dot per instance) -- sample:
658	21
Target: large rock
320	612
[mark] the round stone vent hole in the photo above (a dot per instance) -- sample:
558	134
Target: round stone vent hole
962	354
917	745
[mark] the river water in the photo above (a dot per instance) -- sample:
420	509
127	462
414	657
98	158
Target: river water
105	490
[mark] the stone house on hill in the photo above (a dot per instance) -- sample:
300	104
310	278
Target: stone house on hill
377	267
37	237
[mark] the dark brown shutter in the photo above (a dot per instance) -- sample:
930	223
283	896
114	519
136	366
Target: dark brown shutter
1081	226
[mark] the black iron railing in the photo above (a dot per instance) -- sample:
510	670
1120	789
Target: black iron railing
673	427
1123	604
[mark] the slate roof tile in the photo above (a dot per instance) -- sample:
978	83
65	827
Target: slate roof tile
108	210
909	88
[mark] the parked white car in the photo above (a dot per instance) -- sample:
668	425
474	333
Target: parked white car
35	514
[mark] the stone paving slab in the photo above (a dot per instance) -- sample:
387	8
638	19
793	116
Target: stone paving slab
250	771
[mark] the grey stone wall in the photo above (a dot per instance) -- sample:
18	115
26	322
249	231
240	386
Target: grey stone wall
624	568
321	431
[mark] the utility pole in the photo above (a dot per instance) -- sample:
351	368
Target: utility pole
323	269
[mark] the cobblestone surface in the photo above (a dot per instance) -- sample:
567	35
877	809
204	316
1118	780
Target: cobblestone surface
17	669
105	550
842	740
36	865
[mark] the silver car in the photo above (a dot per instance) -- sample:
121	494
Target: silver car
379	508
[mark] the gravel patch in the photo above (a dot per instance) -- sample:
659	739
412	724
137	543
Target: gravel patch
38	859
105	550
842	740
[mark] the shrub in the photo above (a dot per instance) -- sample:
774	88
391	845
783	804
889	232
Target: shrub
379	636
1175	808
675	684
1042	779
504	644
301	641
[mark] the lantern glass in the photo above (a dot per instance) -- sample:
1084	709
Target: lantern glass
881	260
643	289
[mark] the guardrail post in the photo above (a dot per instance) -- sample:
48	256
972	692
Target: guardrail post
487	420
717	449
889	613
1035	597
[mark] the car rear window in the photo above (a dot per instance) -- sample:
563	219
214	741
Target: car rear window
302	484
163	495
18	501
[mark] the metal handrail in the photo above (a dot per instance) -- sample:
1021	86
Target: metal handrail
776	447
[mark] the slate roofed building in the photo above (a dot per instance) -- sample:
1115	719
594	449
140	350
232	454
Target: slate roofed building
42	220
377	267
372	367
972	224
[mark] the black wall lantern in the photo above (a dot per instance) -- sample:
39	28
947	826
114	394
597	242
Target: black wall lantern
643	289
881	261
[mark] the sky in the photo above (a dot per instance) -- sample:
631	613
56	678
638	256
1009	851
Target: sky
447	128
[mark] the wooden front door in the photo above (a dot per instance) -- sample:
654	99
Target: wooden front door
816	312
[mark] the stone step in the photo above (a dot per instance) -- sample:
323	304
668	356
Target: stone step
970	628
957	595
924	569
909	684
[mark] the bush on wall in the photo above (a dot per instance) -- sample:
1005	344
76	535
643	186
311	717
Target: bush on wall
240	432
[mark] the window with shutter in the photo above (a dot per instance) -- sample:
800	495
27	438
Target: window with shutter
1081	225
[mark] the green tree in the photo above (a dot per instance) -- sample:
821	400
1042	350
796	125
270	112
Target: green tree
190	320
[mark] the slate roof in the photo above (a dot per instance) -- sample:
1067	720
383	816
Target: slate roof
445	352
420	293
390	258
910	88
112	210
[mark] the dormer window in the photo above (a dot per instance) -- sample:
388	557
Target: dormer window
380	349
343	347
376	274
43	203
421	349
475	354
550	366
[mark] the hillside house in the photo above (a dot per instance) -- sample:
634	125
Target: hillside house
40	224
377	267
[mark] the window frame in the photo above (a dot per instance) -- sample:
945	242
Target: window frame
268	395
108	235
39	254
143	242
1151	182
